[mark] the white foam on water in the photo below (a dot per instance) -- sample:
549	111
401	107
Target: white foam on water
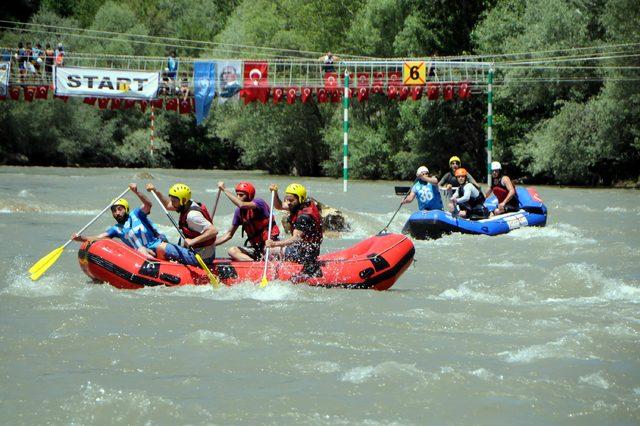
386	371
616	210
50	284
565	347
564	233
486	375
596	379
636	391
275	291
600	288
509	265
209	336
25	193
463	292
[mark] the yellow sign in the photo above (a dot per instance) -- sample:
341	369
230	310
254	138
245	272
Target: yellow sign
414	73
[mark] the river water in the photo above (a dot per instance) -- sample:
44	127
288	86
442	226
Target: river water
539	326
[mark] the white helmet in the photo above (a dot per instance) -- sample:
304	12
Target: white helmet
421	170
495	166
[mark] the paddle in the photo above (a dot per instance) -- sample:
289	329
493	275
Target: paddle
41	266
264	281
212	278
399	207
215	206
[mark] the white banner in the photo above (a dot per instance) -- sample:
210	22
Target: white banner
106	83
4	78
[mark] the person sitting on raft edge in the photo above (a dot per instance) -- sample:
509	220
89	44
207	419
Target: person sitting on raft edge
253	215
133	228
195	223
504	190
304	245
426	189
468	198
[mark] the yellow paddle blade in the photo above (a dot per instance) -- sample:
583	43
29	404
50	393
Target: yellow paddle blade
41	266
264	281
55	253
212	278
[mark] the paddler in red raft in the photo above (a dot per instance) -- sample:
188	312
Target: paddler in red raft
304	245
195	223
253	215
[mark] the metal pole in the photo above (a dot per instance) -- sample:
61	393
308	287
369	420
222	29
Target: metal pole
345	130
489	123
153	129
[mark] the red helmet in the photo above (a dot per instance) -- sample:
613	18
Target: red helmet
247	188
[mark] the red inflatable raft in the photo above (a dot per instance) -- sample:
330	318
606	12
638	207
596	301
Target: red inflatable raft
376	262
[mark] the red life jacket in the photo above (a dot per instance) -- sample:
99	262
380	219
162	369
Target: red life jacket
190	233
501	191
256	226
310	209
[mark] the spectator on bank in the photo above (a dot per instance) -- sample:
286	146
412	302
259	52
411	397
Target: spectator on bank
59	55
184	86
48	61
327	61
21	58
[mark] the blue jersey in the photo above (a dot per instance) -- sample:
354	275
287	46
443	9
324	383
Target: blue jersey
138	231
428	196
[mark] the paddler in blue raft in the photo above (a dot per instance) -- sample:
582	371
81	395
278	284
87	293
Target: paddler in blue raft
426	190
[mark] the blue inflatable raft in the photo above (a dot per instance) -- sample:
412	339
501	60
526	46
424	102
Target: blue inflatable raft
433	224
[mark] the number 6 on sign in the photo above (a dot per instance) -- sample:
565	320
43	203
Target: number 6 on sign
414	73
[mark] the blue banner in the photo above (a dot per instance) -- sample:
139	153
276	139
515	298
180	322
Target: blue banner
204	87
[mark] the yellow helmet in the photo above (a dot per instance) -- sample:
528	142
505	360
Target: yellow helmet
454	158
121	202
297	189
182	192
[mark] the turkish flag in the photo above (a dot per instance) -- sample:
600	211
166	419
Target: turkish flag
378	82
363	79
172	104
363	94
14	93
143	105
62	98
116	103
185	107
103	103
128	103
157	103
447	94
335	95
416	93
29	93
321	95
331	80
291	94
42	92
392	92
305	94
433	91
464	91
256	82
404	93
394	78
278	93
90	101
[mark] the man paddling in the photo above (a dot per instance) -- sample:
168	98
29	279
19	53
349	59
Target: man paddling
195	223
133	228
449	180
304	245
504	190
426	189
253	215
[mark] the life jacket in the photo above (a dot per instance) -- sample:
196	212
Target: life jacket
188	232
256	226
473	202
314	236
501	191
